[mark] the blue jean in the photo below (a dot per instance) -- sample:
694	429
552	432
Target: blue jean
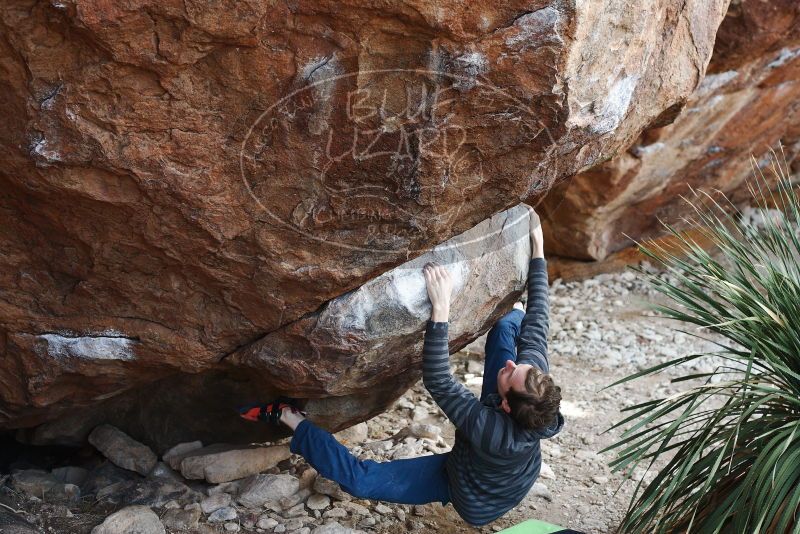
418	480
501	346
409	481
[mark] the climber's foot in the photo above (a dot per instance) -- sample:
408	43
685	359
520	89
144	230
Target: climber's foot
269	413
292	418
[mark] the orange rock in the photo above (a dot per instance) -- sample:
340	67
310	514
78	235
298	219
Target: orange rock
570	270
744	107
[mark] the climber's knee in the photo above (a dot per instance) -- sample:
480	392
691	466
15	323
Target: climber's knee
364	481
505	327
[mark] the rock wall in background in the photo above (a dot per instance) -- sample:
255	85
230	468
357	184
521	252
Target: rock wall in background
747	104
184	182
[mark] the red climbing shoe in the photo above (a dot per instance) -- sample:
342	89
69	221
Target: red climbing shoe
270	413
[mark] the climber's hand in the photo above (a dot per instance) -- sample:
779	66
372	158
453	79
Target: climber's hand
537	239
440	285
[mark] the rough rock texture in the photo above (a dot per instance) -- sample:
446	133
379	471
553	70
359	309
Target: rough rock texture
354	435
44	486
131	520
11	523
747	104
261	489
123	450
353	358
353	343
225	465
177	519
188	180
176	454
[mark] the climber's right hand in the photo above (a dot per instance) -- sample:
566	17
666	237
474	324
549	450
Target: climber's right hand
537	238
440	286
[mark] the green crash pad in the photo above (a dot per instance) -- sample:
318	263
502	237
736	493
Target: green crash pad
532	526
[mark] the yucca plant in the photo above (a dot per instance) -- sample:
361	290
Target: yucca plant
726	450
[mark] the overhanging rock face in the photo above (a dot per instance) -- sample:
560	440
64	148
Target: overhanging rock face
365	338
352	358
181	179
745	106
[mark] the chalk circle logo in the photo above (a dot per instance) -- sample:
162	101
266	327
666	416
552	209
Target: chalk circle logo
372	161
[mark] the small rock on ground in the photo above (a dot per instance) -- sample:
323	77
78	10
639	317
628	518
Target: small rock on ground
318	501
122	449
178	519
213	503
261	489
331	488
174	455
131	520
223	514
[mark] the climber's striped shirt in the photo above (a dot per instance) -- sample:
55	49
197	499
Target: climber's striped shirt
494	462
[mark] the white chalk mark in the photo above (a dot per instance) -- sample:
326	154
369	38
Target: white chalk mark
615	105
43	149
109	345
785	56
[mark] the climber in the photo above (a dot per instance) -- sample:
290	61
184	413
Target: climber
496	456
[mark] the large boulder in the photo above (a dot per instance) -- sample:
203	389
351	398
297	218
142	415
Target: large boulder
352	358
744	107
186	185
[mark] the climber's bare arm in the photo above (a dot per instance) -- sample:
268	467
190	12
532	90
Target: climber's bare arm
532	344
537	238
457	402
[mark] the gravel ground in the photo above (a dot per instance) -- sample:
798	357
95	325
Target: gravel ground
600	331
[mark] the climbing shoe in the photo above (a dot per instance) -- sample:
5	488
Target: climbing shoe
269	413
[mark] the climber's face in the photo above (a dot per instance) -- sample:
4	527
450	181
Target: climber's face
512	376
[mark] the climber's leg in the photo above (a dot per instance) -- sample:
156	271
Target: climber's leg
412	481
501	346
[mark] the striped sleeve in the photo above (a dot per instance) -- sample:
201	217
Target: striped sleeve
481	425
536	323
